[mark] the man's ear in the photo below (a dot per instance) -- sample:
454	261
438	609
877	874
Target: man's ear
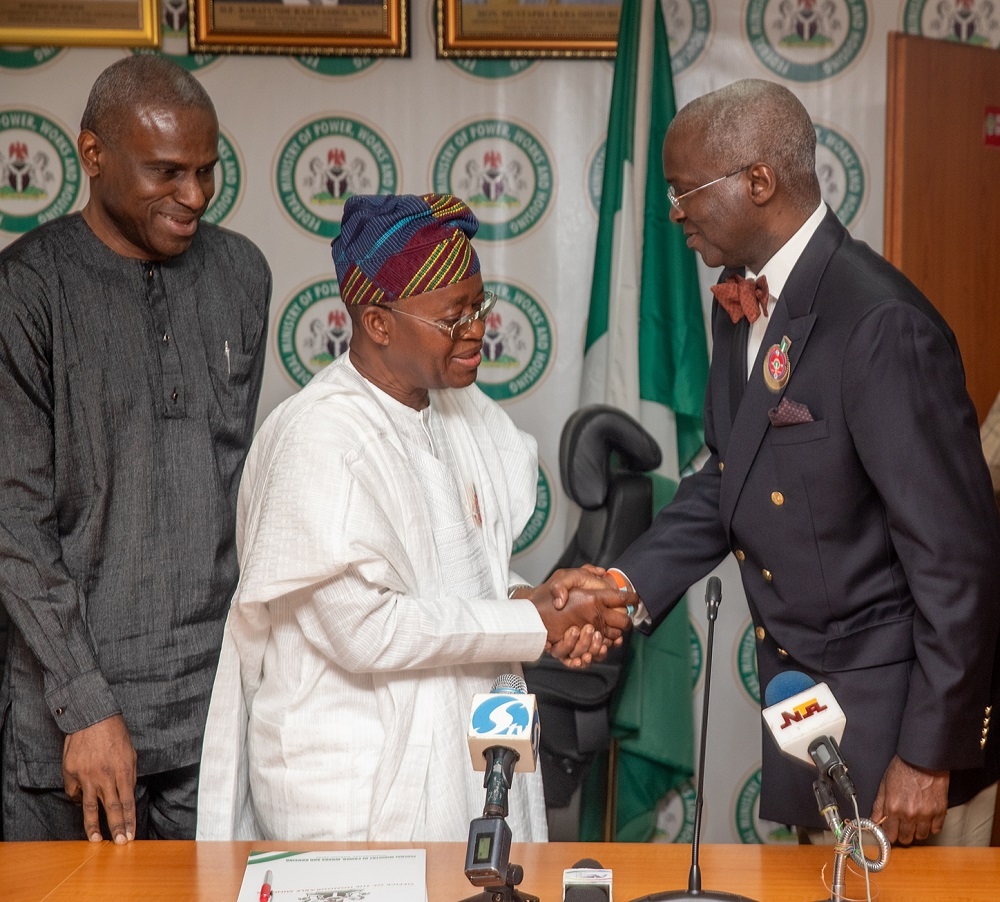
91	150
762	183
374	320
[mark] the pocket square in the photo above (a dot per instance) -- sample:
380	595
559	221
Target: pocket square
789	413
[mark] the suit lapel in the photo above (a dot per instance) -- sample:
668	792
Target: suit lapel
794	317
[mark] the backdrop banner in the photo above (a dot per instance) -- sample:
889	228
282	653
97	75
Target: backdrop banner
523	142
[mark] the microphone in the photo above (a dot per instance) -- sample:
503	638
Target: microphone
807	724
587	881
694	892
503	738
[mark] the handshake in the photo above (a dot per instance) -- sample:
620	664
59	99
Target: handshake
585	613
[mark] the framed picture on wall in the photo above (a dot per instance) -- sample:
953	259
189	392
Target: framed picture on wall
300	27
527	28
90	23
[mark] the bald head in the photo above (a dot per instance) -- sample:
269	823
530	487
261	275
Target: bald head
758	121
137	83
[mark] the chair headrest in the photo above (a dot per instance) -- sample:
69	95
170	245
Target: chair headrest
589	438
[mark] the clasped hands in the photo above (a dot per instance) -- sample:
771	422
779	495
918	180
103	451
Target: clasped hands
584	611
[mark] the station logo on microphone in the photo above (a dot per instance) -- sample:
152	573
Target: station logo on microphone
501	715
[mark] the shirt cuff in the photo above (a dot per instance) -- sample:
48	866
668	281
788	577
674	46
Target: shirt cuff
82	702
638	613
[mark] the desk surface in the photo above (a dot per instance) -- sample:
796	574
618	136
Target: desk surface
213	871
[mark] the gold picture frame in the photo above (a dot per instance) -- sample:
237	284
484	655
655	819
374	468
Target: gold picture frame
86	23
300	27
581	29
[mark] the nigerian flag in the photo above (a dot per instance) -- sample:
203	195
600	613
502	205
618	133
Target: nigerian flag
646	350
646	353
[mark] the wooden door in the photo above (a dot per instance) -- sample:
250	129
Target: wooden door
942	191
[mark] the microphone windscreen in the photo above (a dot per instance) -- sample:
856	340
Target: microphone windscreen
510	682
589	863
785	685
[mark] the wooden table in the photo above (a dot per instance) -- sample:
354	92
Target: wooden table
212	871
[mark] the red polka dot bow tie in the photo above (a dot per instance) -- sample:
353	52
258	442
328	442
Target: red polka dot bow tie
740	297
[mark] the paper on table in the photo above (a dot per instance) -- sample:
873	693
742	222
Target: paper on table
377	875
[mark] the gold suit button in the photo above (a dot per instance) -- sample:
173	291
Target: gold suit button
722	466
740	555
759	633
767	575
784	655
982	743
778	498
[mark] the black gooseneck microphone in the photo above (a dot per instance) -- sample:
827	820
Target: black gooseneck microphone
694	892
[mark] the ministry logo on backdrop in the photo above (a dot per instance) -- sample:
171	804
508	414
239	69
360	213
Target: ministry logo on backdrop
841	174
746	664
806	40
502	171
517	346
539	520
675	817
40	174
595	176
966	21
492	69
689	26
228	182
336	66
697	653
749	825
322	162
19	57
313	330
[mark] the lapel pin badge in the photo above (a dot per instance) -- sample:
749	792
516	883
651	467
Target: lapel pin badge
777	369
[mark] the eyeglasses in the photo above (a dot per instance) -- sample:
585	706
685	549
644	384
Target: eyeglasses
458	328
675	199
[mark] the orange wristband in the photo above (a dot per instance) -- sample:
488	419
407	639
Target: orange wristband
620	581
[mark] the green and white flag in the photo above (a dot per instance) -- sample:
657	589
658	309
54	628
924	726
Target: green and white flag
646	354
646	350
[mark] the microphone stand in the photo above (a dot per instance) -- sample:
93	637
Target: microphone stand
493	824
694	892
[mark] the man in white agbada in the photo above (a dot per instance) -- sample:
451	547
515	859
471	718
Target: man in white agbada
377	513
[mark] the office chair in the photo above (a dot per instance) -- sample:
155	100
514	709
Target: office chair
603	456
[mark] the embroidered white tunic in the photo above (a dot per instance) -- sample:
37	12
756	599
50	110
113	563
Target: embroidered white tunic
374	546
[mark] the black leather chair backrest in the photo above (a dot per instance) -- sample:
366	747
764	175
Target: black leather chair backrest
603	456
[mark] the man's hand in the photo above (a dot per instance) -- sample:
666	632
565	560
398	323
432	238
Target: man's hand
579	647
99	765
913	801
577	598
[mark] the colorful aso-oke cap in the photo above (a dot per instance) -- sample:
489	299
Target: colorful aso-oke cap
394	246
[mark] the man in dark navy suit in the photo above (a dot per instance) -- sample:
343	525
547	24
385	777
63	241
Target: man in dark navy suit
846	476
